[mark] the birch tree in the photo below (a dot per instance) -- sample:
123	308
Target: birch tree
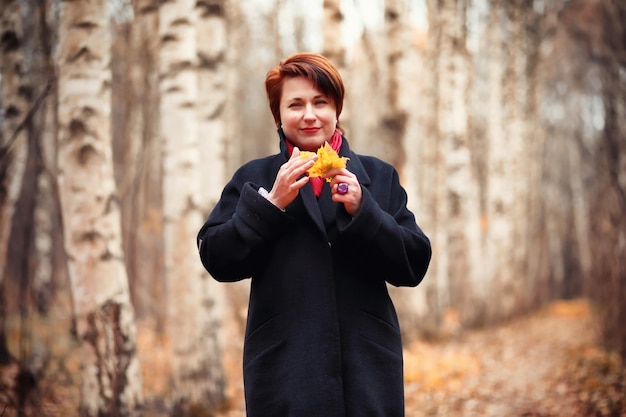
111	379
13	154
141	150
13	147
609	200
366	69
500	194
430	175
517	164
536	266
419	99
433	187
213	83
394	117
192	314
334	48
460	198
46	211
401	125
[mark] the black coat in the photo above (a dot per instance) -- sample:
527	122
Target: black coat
322	336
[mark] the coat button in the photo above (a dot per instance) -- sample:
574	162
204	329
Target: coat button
330	245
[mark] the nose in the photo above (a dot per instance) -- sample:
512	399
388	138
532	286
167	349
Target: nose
309	114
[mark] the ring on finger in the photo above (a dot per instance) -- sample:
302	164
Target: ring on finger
342	188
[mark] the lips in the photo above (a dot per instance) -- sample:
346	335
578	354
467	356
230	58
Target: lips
310	129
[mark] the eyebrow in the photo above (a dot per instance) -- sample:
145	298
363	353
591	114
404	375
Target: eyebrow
314	97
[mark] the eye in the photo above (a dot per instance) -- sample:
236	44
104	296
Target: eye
293	105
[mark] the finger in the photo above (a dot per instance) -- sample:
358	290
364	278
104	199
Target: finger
294	168
343	179
338	172
300	183
302	165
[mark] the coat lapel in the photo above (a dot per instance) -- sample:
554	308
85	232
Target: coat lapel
310	201
312	208
354	165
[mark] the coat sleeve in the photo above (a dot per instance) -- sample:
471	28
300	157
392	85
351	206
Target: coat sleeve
387	234
231	241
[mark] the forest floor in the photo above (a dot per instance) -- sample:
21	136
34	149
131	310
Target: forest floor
547	364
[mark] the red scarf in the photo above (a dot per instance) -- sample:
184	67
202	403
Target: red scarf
318	182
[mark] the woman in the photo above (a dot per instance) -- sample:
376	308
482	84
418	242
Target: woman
322	336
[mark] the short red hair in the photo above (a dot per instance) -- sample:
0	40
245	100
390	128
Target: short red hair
315	67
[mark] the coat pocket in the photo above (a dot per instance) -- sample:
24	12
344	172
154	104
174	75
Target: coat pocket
381	333
263	340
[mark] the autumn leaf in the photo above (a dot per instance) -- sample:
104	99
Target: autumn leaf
327	159
306	154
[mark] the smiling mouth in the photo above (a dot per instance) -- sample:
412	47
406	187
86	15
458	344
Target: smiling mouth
310	129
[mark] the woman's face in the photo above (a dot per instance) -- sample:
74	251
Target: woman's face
308	117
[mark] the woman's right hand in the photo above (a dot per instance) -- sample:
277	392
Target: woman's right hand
290	179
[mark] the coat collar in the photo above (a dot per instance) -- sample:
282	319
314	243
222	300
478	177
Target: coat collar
309	200
354	164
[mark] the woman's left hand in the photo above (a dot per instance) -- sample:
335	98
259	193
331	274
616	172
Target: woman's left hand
345	188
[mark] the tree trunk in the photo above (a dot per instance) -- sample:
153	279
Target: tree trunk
608	282
212	140
518	141
460	197
434	173
394	117
111	380
13	154
536	264
192	313
500	188
403	127
46	214
254	132
144	216
13	147
419	100
334	48
137	150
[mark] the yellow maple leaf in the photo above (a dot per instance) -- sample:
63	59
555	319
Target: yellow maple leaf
327	159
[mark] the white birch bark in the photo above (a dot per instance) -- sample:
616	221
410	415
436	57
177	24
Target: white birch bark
405	75
434	186
500	195
461	195
420	168
111	378
13	145
396	114
191	319
367	68
254	132
212	42
517	165
527	143
142	163
537	267
334	48
213	85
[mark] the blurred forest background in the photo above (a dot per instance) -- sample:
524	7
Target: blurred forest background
123	119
